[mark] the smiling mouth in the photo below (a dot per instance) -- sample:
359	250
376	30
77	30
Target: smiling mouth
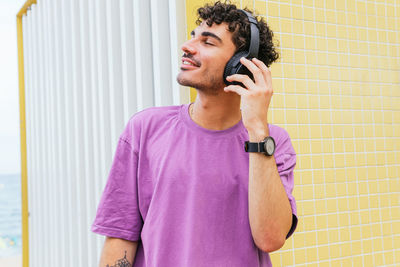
188	63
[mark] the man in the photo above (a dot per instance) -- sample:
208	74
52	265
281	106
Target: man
182	190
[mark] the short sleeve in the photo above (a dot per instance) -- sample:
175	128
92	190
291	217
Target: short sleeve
286	161
118	213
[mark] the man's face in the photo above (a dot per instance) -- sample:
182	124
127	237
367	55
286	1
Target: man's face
205	57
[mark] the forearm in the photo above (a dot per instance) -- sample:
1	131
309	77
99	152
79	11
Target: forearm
270	214
116	249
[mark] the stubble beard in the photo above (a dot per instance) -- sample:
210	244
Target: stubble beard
210	84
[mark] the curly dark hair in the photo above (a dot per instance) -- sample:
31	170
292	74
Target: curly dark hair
239	25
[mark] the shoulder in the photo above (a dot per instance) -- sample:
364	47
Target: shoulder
150	120
155	114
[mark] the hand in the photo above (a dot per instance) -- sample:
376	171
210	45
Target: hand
255	96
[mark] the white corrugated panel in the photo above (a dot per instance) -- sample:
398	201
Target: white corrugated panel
89	66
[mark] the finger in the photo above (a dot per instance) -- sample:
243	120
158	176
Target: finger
236	89
244	79
257	73
265	70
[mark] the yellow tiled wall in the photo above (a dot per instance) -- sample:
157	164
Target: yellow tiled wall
337	92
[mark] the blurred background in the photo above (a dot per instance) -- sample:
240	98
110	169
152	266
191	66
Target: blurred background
10	167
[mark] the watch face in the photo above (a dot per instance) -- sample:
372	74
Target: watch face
270	146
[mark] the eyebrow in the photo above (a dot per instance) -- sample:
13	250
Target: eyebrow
208	34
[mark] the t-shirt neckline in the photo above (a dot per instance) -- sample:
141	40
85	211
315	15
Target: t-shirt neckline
185	117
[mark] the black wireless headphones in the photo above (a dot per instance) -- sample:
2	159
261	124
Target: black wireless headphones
234	66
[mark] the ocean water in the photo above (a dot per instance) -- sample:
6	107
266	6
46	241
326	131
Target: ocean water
10	215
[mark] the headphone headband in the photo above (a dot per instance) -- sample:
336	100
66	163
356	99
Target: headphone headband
254	35
234	66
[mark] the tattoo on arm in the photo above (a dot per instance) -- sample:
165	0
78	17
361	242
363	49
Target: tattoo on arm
121	262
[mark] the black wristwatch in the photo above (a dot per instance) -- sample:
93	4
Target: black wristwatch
267	146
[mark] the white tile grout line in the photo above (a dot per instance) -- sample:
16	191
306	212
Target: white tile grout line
395	155
342	242
346	173
323	162
376	161
333	143
309	119
284	91
359	213
382	114
351	196
297	5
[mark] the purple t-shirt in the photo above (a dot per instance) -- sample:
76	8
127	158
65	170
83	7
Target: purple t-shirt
182	191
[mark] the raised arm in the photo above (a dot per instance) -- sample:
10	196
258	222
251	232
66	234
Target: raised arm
118	252
270	213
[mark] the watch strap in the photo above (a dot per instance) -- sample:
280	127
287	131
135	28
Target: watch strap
261	147
254	147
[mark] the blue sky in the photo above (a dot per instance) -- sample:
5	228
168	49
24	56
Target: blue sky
9	102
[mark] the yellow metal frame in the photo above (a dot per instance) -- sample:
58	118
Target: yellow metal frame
24	169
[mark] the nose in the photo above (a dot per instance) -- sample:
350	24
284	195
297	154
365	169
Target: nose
189	47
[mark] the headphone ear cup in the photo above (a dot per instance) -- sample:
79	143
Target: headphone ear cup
234	65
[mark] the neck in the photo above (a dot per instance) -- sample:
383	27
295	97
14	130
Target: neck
216	112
